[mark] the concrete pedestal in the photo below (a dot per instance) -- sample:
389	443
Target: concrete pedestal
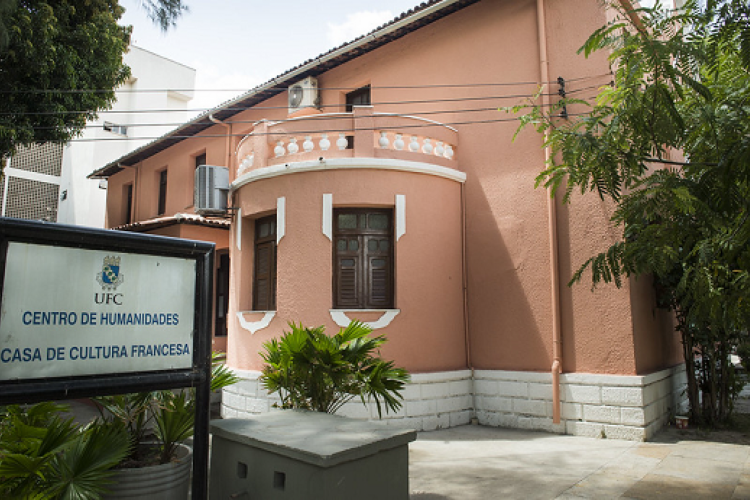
308	455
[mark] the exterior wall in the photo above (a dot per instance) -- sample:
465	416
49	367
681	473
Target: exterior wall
217	236
601	406
657	344
614	341
86	199
179	161
507	244
427	334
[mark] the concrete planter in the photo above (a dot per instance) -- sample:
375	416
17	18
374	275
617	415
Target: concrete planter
158	482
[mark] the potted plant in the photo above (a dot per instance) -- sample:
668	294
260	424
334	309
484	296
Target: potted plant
314	371
134	450
157	424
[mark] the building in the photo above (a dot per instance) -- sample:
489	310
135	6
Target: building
379	182
48	181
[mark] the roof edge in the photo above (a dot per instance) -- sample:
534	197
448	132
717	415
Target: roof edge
307	68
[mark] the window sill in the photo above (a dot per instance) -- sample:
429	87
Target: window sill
341	318
254	326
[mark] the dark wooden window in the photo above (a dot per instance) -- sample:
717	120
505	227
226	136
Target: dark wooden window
359	97
222	295
264	278
162	192
128	203
363	261
200	160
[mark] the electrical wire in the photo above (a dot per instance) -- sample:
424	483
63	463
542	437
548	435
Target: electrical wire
266	108
282	88
310	132
321	118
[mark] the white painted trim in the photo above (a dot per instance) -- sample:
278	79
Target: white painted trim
32	176
400	216
280	218
328	215
348	164
340	318
238	229
254	326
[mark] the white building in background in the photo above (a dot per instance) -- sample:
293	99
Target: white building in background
48	182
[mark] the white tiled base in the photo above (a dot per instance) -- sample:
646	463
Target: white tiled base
611	406
431	401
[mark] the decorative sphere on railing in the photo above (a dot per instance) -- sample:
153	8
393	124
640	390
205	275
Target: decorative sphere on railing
398	144
279	149
341	142
292	147
383	142
324	142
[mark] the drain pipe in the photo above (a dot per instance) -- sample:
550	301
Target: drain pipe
551	228
465	285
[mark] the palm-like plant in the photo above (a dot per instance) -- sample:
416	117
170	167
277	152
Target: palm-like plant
44	456
314	371
170	413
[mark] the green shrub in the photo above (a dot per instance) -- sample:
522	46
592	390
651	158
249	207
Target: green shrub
314	371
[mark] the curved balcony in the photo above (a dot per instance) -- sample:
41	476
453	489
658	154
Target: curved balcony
361	134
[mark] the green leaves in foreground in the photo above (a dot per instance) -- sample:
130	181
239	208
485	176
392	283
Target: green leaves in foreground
314	371
43	456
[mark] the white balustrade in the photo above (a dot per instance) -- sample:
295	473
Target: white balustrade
279	149
399	142
414	144
324	142
246	163
308	144
383	141
293	148
341	143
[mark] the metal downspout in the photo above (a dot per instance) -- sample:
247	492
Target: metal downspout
465	285
551	227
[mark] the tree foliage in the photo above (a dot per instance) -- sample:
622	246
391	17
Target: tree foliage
313	371
60	61
61	64
669	142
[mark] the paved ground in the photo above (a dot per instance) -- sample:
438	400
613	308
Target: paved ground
481	463
485	463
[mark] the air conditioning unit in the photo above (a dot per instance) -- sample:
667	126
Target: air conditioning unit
304	94
211	190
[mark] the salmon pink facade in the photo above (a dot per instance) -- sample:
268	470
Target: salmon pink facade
387	188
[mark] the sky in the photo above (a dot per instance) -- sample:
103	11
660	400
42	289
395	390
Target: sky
239	44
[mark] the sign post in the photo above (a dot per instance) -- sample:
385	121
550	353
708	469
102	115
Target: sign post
88	312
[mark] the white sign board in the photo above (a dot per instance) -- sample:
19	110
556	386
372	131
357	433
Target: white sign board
70	312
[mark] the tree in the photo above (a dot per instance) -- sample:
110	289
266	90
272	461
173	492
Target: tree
669	142
313	371
60	62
